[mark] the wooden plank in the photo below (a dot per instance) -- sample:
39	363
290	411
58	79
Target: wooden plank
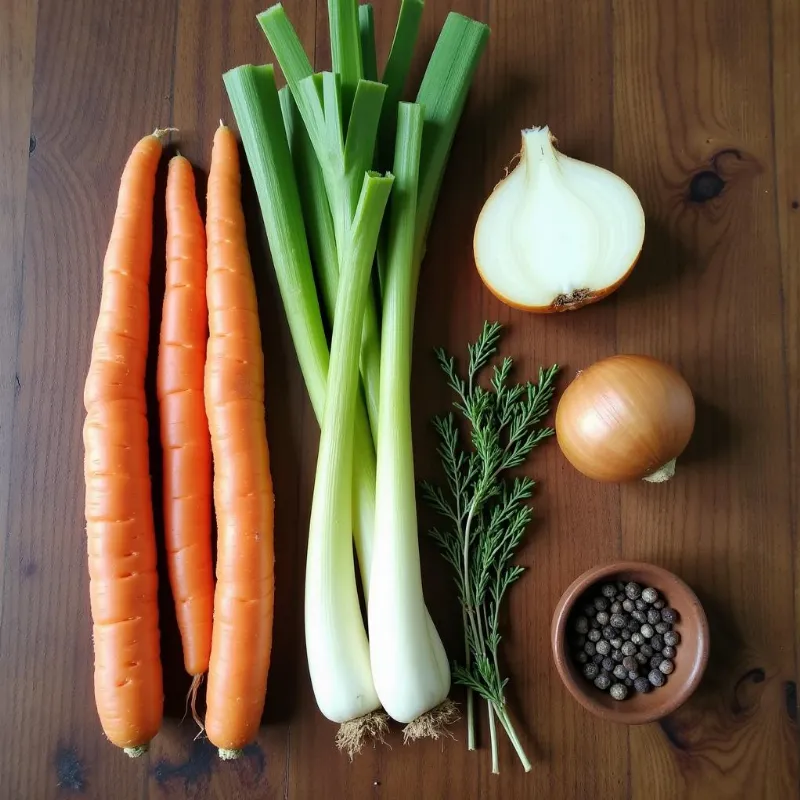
17	45
693	135
102	79
786	110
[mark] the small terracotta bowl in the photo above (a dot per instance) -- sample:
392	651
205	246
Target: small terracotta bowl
690	660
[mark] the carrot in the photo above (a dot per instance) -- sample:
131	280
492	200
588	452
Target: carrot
184	427
119	514
234	387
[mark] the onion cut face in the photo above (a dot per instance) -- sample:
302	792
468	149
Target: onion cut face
557	233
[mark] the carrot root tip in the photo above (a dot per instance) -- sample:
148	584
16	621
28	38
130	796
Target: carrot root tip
229	755
432	724
355	733
135	752
191	700
160	133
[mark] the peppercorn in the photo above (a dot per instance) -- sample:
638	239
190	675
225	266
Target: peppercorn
620	597
581	625
659	604
629	682
600	603
603	681
581	658
637	638
619	691
617	621
608	664
608	590
668	652
653	616
629	663
669	615
657	642
647	650
628	605
632	625
591	671
628	648
641	658
593	623
616	643
589	610
589	648
642	685
593	636
597	659
609	632
633	590
602	617
672	638
617	655
603	647
633	674
620	672
647	631
640	605
625	634
662	627
616	607
620	586
639	616
666	666
649	595
656	660
578	639
656	677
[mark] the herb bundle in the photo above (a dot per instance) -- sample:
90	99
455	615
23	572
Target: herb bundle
485	510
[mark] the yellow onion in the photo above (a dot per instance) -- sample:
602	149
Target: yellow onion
624	418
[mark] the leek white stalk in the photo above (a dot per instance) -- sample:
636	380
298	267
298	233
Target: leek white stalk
409	663
336	642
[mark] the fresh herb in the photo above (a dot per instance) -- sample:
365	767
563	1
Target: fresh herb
485	510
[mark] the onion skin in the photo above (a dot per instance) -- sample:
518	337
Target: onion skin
624	418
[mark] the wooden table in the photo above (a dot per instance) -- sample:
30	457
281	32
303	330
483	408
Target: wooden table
697	105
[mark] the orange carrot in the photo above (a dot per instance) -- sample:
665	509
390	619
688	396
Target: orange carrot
184	427
119	514
234	386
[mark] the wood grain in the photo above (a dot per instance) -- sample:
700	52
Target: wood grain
697	106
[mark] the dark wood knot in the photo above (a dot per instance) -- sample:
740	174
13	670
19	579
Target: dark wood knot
705	186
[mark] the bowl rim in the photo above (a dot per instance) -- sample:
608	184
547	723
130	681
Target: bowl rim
560	655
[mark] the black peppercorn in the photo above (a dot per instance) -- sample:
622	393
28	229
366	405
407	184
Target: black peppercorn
578	640
653	616
609	632
662	627
600	603
641	659
616	608
640	605
668	652
608	664
620	673
672	638
589	648
639	616
637	638
656	677
581	625
632	625
593	636
666	666
633	674
669	615
608	590
597	659
647	631
625	634
657	642
642	685
593	623
581	657
647	650
656	660
628	605
659	604
602	617
591	671
628	648
617	655
616	643
633	590
603	647
589	610
649	595
620	586
619	691
603	681
629	682
629	663
617	621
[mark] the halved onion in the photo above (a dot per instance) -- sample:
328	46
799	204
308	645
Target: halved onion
557	233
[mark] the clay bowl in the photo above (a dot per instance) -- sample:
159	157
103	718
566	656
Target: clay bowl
690	660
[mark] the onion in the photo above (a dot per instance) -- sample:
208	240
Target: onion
557	233
624	418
